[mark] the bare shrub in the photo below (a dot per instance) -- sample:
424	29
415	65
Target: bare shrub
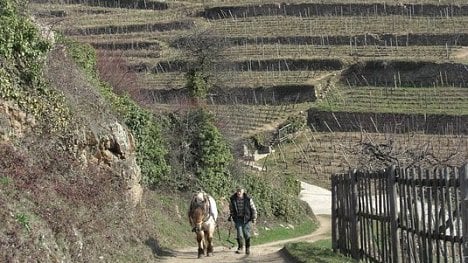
114	70
375	151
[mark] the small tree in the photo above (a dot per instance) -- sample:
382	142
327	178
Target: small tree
197	83
212	155
204	51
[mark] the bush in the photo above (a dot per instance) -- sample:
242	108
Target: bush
201	155
22	53
295	122
276	196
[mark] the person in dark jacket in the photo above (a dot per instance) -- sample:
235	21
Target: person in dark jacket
243	211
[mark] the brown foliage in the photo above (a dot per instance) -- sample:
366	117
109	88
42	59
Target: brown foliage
113	69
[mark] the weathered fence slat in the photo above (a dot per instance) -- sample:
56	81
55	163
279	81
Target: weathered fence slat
422	197
368	226
429	216
448	197
395	236
443	213
334	219
353	220
362	228
464	205
414	216
371	222
437	215
401	215
459	215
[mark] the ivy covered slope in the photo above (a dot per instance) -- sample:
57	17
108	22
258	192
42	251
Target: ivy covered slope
87	173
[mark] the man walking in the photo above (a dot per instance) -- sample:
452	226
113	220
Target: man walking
243	211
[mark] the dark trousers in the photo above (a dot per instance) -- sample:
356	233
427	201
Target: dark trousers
243	229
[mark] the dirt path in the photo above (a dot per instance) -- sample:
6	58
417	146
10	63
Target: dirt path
270	252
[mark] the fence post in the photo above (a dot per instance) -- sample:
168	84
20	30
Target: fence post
464	208
353	214
392	195
334	220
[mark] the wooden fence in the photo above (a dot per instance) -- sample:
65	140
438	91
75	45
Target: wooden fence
401	215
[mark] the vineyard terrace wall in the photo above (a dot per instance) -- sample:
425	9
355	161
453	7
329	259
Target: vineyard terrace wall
131	4
154	46
319	9
246	65
284	94
406	74
125	29
389	40
326	121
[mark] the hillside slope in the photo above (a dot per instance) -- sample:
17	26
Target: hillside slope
65	195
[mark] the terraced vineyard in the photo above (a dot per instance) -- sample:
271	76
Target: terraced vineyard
436	100
235	79
242	121
360	56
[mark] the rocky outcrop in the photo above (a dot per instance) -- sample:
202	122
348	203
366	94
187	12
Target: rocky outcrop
98	135
14	122
115	148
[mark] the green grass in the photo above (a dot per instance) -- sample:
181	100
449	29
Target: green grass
95	16
319	251
4	180
233	79
282	232
24	220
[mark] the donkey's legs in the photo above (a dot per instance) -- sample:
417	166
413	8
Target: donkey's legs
201	243
209	239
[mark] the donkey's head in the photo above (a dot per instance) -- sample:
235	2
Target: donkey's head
199	210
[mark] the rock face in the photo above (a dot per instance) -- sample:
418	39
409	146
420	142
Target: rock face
99	135
115	148
118	150
13	121
112	145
